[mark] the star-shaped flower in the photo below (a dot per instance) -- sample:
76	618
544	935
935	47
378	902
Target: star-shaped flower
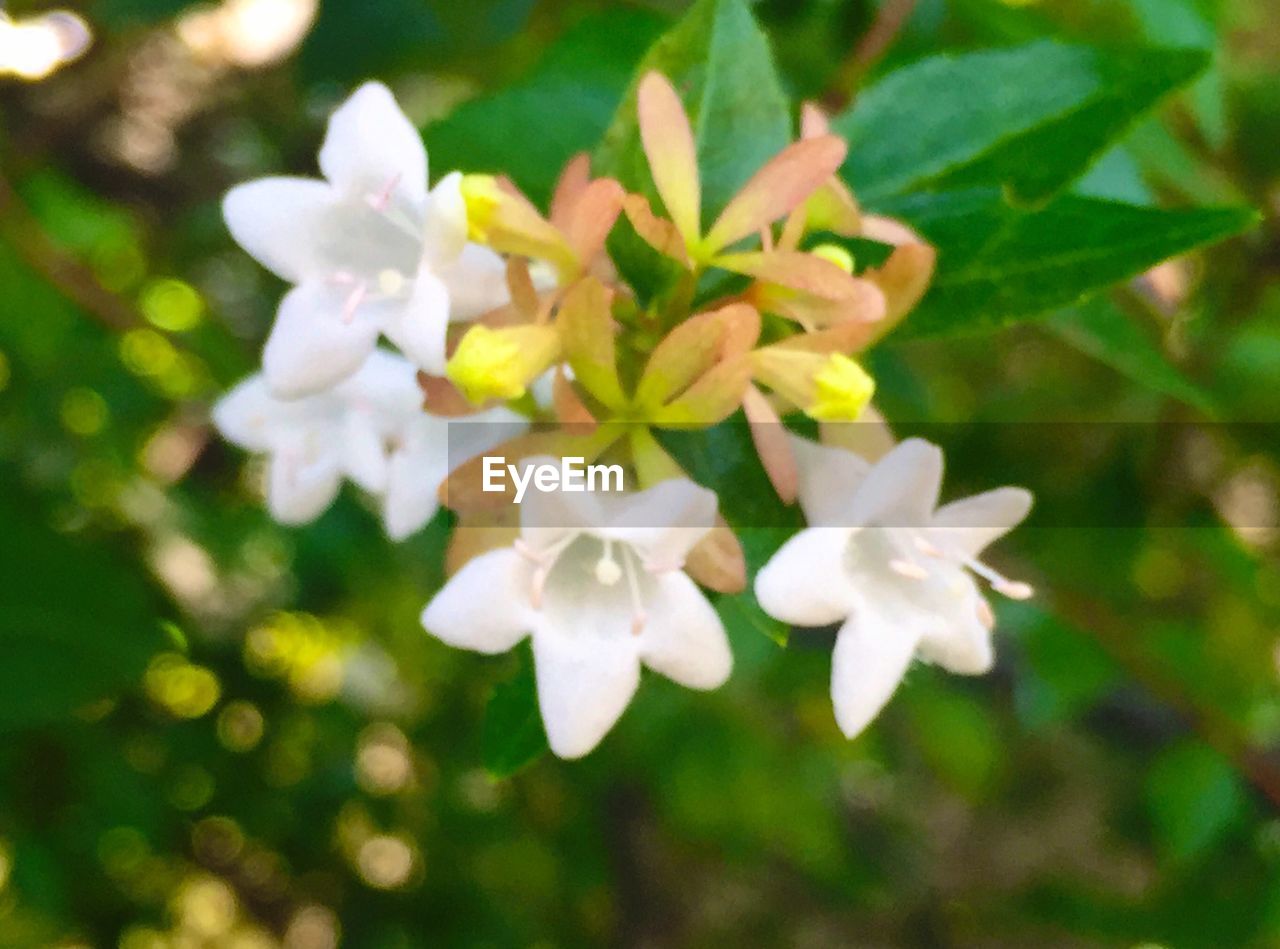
598	583
894	568
369	429
370	249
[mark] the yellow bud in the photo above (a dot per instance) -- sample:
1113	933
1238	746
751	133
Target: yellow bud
835	254
500	364
842	390
482	197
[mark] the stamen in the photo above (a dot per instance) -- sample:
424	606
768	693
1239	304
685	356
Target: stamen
607	570
1013	589
390	282
909	569
379	200
544	560
927	548
354	299
638	615
538	586
985	616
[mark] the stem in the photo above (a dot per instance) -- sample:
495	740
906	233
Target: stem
1214	728
871	48
72	279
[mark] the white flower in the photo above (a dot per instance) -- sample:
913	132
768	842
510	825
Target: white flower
894	568
370	429
597	581
370	249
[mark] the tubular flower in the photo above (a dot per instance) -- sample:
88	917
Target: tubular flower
371	251
892	567
828	387
597	582
368	429
501	363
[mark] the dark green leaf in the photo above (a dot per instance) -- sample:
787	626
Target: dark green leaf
1030	118
124	14
957	735
1065	670
529	131
78	622
1102	330
1194	796
513	733
400	33
999	265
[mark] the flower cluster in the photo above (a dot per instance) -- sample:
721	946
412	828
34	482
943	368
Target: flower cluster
522	331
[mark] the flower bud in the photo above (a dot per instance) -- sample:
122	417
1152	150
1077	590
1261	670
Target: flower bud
500	364
500	218
835	254
828	387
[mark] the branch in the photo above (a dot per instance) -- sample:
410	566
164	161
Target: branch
71	278
870	50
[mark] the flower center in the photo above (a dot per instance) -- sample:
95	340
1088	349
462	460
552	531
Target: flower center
379	245
617	562
914	556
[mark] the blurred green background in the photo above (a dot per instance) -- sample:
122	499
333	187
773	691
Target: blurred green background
215	731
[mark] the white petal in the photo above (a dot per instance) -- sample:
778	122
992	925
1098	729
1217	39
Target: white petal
371	145
298	492
805	582
955	637
829	478
245	415
386	383
901	489
972	523
585	682
363	452
546	517
964	650
664	522
412	496
477	282
279	221
474	435
312	345
873	650
418	327
683	637
485	605
445	230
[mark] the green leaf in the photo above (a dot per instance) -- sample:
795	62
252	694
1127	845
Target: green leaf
1194	797
957	735
719	62
513	733
529	131
1065	672
998	265
398	34
81	624
1187	24
122	15
1030	118
1100	329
